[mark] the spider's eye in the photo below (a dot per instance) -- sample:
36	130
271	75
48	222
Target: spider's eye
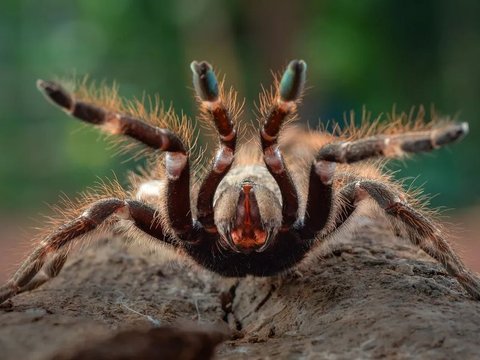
293	80
204	81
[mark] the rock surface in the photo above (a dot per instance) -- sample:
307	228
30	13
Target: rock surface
373	296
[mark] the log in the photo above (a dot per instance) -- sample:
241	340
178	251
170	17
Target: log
369	295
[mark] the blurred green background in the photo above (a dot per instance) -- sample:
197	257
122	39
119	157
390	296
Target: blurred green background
372	52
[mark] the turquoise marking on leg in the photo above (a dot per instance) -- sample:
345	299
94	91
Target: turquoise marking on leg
293	80
204	81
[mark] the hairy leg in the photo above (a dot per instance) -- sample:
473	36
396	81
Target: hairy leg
283	106
422	231
176	160
392	145
50	256
220	111
112	122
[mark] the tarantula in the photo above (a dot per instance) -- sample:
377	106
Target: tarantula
254	213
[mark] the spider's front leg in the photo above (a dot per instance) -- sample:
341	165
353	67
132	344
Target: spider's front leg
319	199
216	107
284	104
48	258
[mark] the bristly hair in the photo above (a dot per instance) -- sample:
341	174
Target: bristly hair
267	98
384	124
68	208
148	109
230	100
234	107
351	129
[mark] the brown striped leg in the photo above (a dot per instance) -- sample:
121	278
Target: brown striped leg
211	101
112	122
422	231
392	145
49	257
50	270
284	105
177	164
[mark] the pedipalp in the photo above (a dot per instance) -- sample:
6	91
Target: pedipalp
214	105
284	104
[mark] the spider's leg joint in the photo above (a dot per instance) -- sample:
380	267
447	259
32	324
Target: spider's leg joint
223	121
175	163
165	139
113	124
124	212
223	160
268	137
100	210
360	193
325	171
229	137
273	158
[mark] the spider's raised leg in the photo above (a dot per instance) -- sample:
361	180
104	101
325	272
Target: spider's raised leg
176	161
392	145
321	173
422	231
110	121
51	254
220	111
284	104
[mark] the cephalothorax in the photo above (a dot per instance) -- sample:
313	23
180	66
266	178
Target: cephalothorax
256	213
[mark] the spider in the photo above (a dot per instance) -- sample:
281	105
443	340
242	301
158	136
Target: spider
261	207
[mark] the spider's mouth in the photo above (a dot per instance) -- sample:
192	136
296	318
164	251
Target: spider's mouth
248	234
